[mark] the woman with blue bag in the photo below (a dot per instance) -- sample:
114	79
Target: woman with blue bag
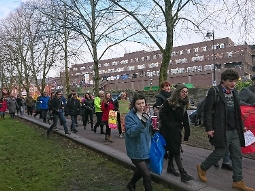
137	140
173	116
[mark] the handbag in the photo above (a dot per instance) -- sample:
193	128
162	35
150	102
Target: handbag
157	152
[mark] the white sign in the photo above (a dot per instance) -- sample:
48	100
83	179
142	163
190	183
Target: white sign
249	138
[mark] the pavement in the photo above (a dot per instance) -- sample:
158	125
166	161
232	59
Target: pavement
217	179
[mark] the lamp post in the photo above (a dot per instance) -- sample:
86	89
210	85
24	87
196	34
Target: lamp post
209	35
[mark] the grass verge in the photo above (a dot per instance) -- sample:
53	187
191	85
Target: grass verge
31	161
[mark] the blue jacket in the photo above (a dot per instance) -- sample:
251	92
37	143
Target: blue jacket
137	137
44	102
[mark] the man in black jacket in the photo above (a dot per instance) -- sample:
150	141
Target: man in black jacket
57	112
224	127
73	109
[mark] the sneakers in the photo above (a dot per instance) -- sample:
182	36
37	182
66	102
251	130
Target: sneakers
121	135
68	133
241	186
227	167
201	173
75	131
55	129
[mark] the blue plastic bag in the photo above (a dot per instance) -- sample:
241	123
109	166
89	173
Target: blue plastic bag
157	152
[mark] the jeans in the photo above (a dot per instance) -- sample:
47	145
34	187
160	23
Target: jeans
119	123
142	171
29	110
99	119
226	158
108	129
88	114
61	117
233	144
44	114
74	122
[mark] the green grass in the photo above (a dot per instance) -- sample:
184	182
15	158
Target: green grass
31	161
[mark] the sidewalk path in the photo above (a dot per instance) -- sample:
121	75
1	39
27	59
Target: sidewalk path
218	179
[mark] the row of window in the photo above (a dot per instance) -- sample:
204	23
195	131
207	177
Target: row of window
198	49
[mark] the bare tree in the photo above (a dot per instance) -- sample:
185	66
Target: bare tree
100	26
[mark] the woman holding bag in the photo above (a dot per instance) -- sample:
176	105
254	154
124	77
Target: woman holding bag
173	116
106	106
137	140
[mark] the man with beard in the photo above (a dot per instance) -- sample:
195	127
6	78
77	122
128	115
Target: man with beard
247	95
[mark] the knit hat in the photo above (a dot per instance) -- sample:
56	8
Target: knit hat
179	87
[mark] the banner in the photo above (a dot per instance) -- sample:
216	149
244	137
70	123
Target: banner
123	110
112	120
248	117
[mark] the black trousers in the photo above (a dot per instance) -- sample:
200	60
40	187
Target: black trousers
29	110
99	119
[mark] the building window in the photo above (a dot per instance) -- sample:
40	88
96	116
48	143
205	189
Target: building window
131	60
137	59
148	57
173	54
222	45
181	52
204	48
230	54
142	59
196	49
154	56
188	51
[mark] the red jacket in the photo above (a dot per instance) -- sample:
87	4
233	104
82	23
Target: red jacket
4	106
106	109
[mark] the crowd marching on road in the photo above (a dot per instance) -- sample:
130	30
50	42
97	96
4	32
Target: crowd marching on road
219	113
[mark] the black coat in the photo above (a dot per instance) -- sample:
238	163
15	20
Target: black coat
56	105
72	107
172	123
215	114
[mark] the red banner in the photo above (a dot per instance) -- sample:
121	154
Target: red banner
248	117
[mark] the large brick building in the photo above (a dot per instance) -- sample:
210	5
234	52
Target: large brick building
191	63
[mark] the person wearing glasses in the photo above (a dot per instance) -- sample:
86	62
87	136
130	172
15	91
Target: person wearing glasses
174	117
57	108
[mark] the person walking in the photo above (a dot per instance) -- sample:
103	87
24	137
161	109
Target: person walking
44	105
22	106
12	106
3	107
173	118
247	95
18	100
38	106
73	109
123	96
57	111
223	125
98	111
164	94
137	141
107	105
88	110
30	102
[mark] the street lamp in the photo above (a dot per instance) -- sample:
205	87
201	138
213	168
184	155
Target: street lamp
209	35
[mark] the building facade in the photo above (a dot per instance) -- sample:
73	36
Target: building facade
190	64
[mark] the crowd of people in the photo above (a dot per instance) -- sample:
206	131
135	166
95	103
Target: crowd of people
221	119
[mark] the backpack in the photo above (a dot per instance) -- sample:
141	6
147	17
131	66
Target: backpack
200	109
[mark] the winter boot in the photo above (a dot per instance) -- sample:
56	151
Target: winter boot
184	176
110	138
171	170
130	187
106	137
241	186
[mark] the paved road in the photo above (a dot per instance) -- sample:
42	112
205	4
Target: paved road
218	179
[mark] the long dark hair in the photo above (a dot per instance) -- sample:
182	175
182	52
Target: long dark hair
135	98
175	100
